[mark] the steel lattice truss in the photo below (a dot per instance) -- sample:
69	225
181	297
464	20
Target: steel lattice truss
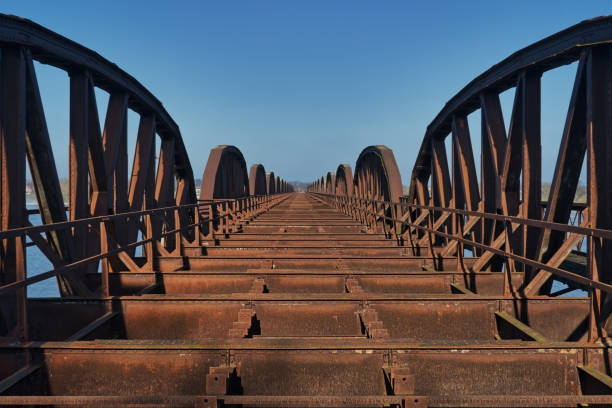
352	294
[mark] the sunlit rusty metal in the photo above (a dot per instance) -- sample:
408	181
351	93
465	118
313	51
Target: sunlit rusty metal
350	295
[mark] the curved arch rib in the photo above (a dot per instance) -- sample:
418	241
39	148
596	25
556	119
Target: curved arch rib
510	171
330	183
344	180
257	180
225	174
377	175
270	183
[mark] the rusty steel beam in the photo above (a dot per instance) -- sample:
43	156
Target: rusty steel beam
568	165
349	295
44	174
12	186
599	171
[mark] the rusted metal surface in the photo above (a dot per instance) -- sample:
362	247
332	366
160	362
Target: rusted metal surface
335	335
257	180
349	295
344	180
376	175
225	175
270	183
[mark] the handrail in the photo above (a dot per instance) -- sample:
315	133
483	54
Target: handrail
594	232
11	233
380	215
249	201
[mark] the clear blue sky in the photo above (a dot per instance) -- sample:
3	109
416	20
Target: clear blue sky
302	86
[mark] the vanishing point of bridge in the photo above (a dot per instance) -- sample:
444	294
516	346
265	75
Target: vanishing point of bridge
351	294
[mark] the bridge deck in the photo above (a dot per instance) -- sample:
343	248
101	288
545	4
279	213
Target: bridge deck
303	302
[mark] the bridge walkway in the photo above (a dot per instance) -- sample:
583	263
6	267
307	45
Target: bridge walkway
304	302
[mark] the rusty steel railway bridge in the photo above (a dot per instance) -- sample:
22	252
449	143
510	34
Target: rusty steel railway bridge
351	294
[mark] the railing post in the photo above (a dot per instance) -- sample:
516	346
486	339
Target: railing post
373	216
198	228
234	211
22	293
227	215
220	220
397	229
104	262
364	213
460	248
375	204
430	237
150	245
510	266
178	234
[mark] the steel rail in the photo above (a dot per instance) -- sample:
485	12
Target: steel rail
312	400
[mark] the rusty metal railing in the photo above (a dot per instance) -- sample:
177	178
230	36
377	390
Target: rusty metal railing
164	231
448	231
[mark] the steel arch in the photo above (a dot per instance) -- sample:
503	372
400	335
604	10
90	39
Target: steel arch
344	180
270	183
98	162
257	180
330	183
225	174
377	175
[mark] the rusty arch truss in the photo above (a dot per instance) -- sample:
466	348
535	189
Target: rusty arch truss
257	180
502	220
377	175
511	161
361	295
227	190
270	182
225	175
330	183
344	180
98	159
376	178
111	212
